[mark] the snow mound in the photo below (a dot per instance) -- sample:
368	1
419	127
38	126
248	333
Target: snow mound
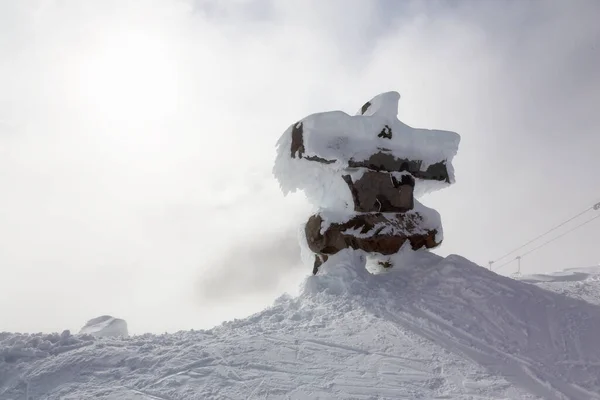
105	326
15	347
544	342
431	327
21	353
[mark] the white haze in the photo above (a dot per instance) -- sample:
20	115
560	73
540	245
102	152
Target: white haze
137	140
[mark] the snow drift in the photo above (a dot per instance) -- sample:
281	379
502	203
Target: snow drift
432	328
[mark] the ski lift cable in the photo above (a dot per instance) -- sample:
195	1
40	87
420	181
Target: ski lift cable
549	241
559	236
504	264
594	207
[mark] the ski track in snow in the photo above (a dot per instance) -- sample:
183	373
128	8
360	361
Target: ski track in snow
439	329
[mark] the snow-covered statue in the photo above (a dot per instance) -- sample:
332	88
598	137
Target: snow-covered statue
363	174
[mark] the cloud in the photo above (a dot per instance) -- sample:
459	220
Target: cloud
252	266
136	168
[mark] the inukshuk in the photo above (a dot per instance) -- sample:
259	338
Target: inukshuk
363	173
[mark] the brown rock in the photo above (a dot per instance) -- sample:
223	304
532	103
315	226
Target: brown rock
371	232
381	192
365	107
384	161
297	146
380	161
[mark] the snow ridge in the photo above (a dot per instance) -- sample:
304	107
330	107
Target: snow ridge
431	328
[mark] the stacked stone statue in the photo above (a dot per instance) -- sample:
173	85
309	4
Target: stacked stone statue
363	174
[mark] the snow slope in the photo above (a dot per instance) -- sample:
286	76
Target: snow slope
434	329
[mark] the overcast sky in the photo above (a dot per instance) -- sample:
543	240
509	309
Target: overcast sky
137	141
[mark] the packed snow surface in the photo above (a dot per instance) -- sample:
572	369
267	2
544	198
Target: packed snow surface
337	138
432	328
105	326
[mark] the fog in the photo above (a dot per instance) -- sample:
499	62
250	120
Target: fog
137	141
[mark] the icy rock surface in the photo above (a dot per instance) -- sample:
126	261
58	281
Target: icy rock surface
342	138
105	326
431	328
362	174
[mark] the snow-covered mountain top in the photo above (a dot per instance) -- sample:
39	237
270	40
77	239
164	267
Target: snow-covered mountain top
580	283
567	275
435	328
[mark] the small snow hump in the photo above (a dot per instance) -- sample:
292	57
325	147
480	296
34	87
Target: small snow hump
105	326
